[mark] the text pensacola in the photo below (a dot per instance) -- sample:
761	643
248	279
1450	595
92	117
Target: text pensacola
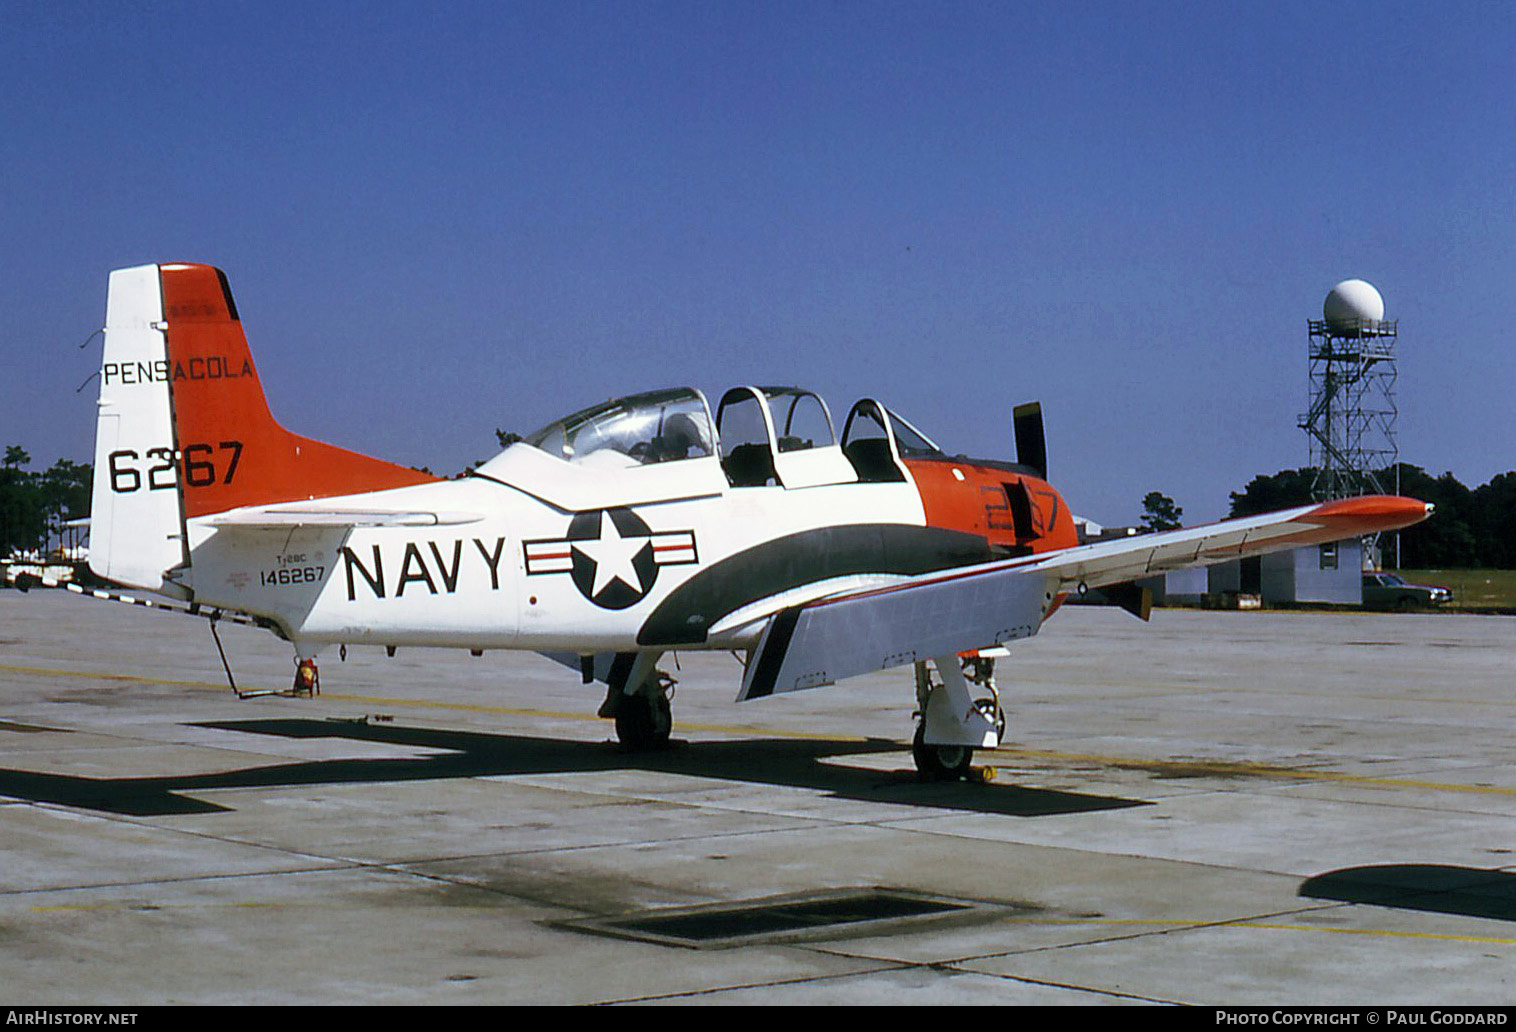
1371	1016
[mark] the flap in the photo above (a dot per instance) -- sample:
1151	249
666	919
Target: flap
826	641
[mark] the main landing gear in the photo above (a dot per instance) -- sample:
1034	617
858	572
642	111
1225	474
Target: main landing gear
644	720
959	707
952	722
643	713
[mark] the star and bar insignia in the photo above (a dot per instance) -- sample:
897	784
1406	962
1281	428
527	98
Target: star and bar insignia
612	555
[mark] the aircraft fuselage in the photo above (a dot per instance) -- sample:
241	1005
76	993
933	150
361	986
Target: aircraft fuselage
676	573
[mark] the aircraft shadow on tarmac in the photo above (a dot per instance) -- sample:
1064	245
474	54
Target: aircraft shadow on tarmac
1435	888
787	763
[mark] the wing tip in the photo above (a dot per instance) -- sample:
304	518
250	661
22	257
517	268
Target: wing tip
1373	512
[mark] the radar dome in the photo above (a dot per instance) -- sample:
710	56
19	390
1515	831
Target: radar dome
1353	306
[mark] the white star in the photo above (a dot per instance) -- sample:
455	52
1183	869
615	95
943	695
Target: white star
612	555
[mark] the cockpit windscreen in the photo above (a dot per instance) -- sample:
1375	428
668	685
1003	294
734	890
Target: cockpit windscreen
912	442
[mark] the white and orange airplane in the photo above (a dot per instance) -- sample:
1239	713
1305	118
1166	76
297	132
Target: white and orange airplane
617	534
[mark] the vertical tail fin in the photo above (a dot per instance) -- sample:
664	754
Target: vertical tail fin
233	452
184	429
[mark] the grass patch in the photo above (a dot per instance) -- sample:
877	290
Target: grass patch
1472	589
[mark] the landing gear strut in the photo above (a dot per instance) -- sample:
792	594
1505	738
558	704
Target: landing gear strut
953	723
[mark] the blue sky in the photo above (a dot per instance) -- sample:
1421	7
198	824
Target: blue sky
440	219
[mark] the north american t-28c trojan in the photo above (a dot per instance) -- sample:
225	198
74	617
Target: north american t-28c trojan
623	532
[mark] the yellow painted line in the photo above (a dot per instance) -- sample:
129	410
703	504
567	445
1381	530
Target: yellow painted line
1218	768
103	676
1387	934
90	908
423	703
1222	768
368	700
1186	926
1201	687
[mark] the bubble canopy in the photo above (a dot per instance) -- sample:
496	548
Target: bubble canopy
780	436
658	426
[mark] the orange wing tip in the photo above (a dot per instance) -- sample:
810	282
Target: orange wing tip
1371	513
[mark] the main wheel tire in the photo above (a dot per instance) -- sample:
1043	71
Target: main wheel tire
940	762
643	722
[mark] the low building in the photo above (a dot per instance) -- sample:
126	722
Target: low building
1319	575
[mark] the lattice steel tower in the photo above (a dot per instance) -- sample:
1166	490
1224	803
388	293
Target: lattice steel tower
1351	421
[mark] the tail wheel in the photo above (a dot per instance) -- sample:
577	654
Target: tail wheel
940	762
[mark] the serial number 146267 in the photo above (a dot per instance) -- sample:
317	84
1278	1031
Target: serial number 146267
292	575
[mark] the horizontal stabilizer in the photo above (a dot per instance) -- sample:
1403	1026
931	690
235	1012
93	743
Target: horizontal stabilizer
286	518
211	613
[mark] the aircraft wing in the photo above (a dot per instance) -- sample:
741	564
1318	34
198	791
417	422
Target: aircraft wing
989	604
1145	555
287	517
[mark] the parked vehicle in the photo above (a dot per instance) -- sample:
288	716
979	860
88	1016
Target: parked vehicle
1390	591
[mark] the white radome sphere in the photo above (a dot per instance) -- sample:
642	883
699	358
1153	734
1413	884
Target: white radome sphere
1353	304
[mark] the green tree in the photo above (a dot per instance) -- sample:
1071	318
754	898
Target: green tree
1493	521
34	506
1469	528
1283	490
65	490
23	524
1160	513
1449	537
